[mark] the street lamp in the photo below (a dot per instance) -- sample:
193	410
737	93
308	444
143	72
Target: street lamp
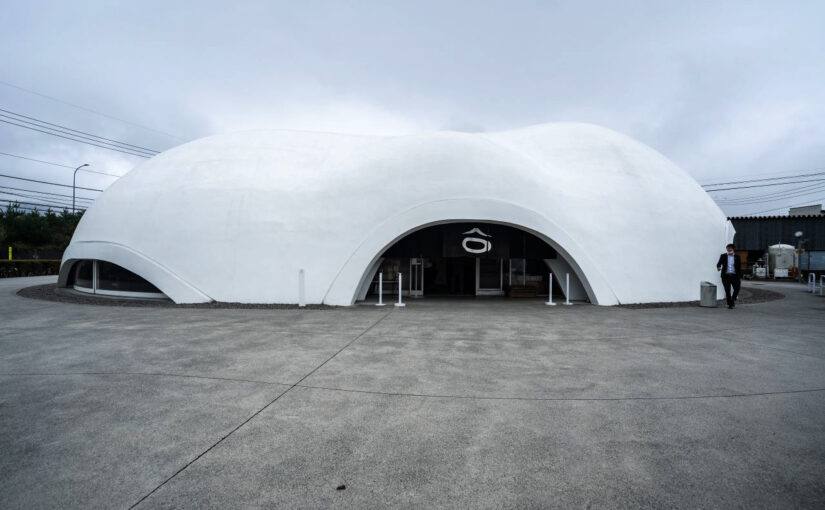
74	179
799	242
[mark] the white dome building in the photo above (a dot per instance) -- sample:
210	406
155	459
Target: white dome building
285	216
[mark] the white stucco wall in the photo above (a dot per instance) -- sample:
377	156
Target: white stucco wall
235	217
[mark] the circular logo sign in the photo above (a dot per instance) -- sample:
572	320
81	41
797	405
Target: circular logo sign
476	245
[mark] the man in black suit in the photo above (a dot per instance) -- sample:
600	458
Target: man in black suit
731	269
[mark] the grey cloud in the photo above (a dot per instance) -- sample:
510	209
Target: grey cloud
724	89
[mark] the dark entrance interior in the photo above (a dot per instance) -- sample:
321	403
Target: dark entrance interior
466	259
450	276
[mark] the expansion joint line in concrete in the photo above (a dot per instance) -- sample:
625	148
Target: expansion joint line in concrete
769	347
142	374
417	395
259	411
563	399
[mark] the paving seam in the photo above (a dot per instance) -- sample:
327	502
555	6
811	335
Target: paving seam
417	395
761	346
715	331
259	411
675	333
148	374
562	399
717	335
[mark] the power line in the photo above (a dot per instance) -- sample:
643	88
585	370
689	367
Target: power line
82	138
38	160
91	111
795	195
64	129
41	197
762	180
76	133
769	197
752	175
775	208
57	164
48	182
45	193
55	201
764	185
58	198
19	208
28	208
43	204
30	203
75	139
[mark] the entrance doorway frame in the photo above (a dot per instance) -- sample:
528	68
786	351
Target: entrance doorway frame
490	291
355	272
416	278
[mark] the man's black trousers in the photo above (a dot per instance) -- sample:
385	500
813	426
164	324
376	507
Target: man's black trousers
731	281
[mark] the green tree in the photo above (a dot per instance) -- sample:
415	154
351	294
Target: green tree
37	229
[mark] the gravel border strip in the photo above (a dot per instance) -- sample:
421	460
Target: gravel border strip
747	296
50	292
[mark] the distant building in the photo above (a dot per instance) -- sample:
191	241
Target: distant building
755	233
808	210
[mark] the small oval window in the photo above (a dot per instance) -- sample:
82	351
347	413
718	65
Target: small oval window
108	279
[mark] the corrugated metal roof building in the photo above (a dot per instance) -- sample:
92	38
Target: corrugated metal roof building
759	232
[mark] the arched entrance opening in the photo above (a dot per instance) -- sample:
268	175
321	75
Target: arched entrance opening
479	258
353	279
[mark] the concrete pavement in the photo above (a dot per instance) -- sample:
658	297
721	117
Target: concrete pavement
485	404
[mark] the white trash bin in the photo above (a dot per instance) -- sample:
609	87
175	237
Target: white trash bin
707	295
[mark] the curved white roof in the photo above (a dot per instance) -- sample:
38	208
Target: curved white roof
234	217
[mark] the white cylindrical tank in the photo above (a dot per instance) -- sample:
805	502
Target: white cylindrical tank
781	257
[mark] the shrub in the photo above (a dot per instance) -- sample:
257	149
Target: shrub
11	268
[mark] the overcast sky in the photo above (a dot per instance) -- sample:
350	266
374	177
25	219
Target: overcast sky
728	90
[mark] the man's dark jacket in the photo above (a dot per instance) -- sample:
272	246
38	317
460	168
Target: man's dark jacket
723	262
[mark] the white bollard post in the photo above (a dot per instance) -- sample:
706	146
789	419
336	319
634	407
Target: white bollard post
811	282
302	301
550	292
821	283
380	289
400	286
567	285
